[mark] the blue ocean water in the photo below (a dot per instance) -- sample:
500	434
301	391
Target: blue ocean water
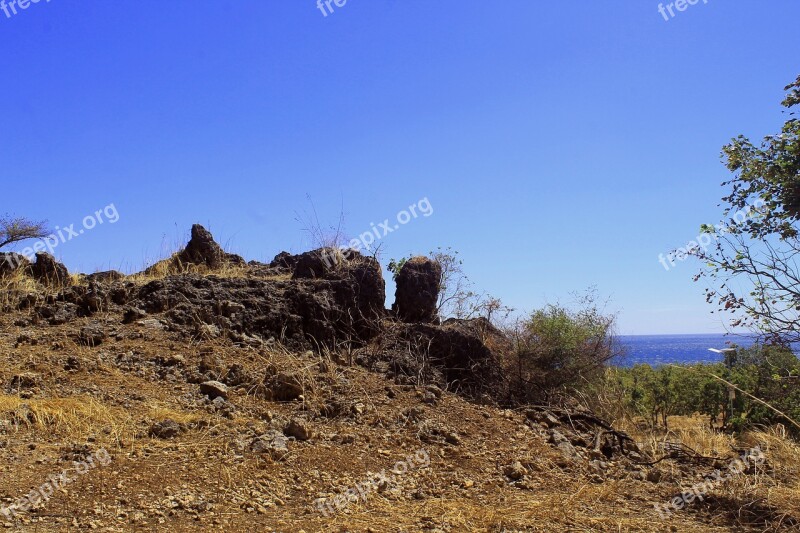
676	349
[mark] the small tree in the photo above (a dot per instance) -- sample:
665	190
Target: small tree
753	263
13	230
561	349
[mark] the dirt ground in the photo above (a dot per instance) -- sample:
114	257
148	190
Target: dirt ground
176	460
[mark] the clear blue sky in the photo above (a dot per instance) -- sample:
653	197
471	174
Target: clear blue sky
561	144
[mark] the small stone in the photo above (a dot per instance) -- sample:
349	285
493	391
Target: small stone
430	398
598	467
515	471
166	429
273	443
299	429
92	335
214	389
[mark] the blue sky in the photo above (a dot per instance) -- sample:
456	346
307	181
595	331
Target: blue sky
561	145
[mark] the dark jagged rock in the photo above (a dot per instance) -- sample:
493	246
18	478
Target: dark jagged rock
202	249
92	335
165	429
318	263
48	271
347	304
284	260
105	277
418	285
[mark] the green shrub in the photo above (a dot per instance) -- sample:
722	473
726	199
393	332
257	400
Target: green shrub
770	373
557	349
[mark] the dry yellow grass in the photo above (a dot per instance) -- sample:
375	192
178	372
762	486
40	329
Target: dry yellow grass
72	417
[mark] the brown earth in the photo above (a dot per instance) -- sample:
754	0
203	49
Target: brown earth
247	397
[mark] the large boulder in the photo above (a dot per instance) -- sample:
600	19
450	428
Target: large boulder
321	263
48	271
284	260
418	286
343	295
11	263
202	249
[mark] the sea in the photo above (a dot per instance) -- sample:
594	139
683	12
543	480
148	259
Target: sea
658	350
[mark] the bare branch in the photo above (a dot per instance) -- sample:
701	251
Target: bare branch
13	230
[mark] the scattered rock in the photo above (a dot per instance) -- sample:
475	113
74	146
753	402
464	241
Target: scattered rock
214	389
515	471
299	429
166	429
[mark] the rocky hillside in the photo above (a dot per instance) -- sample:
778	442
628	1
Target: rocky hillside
209	393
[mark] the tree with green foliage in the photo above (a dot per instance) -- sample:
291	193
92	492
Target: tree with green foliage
770	373
559	349
758	243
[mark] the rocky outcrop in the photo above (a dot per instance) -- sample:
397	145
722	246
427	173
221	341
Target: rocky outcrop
202	249
418	286
284	260
345	304
48	271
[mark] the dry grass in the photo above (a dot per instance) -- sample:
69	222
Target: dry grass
18	287
173	266
71	418
693	432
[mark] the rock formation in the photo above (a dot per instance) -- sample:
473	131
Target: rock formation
48	271
203	250
418	286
